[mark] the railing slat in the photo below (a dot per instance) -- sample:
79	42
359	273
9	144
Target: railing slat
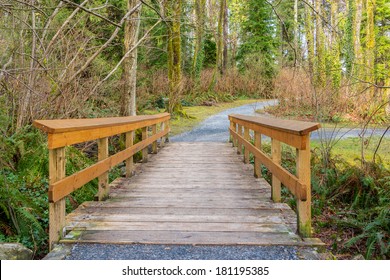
296	187
103	179
71	183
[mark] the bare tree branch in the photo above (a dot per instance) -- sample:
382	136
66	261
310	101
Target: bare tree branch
92	13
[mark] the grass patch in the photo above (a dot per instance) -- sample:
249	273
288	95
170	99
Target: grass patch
350	149
197	114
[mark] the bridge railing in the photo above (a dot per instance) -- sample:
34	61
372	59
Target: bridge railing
292	133
62	133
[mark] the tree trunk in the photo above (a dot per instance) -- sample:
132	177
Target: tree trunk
320	47
173	11
24	107
309	30
370	42
128	105
225	38
197	59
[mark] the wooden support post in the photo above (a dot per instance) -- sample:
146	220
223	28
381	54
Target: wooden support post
145	150
56	209
246	151
103	179
162	141
257	167
234	127
304	207
154	145
129	161
276	157
239	145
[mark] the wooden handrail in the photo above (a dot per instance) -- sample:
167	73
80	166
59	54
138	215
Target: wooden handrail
62	133
293	133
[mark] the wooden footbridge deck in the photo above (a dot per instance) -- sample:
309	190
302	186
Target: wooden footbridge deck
184	193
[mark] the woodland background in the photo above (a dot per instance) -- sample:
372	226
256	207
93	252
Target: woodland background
327	61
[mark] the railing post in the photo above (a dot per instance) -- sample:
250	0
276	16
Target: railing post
304	207
56	209
246	151
145	150
276	158
162	140
103	179
233	128
239	145
129	162
154	145
257	167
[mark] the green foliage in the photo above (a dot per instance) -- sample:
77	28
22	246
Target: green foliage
259	41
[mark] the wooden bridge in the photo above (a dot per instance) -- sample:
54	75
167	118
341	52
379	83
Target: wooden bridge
183	193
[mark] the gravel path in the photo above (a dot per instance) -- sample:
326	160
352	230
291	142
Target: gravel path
182	252
215	128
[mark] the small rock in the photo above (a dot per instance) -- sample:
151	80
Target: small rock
14	251
358	257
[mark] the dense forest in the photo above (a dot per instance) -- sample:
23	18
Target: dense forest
326	61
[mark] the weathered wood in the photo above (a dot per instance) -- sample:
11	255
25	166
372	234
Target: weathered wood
154	145
239	145
103	188
130	161
62	133
276	158
69	184
289	126
145	149
304	207
297	187
246	151
68	125
295	136
257	165
185	238
57	163
189	203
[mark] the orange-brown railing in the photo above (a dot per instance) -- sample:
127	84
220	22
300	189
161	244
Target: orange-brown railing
62	133
293	133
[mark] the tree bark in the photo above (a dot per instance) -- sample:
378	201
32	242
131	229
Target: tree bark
173	11
128	105
199	30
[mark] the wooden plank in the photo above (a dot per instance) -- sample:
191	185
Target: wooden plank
276	153
67	125
154	145
246	151
90	208
239	145
69	184
57	170
182	238
103	187
268	218
289	126
257	165
180	226
304	207
145	149
297	141
297	187
130	161
62	139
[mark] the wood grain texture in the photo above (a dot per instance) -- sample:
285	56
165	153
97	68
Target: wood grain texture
191	200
